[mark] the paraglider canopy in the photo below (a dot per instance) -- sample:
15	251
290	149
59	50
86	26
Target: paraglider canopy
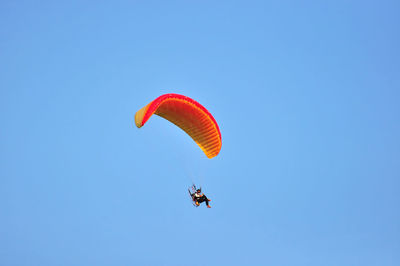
187	114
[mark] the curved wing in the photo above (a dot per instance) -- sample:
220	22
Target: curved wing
187	114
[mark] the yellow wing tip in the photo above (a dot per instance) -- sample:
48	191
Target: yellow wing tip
138	121
140	115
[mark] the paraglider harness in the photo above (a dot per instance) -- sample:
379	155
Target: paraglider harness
195	201
192	190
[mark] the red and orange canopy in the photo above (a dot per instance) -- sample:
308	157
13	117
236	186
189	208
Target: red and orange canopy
187	114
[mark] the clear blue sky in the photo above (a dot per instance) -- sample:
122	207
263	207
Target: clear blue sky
306	94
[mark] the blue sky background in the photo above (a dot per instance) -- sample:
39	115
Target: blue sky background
306	94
